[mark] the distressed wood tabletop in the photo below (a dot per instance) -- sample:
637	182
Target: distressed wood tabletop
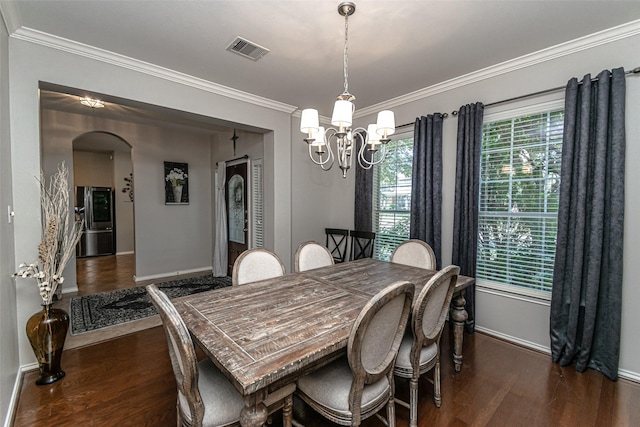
268	333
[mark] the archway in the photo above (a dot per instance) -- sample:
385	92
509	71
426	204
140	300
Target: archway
102	165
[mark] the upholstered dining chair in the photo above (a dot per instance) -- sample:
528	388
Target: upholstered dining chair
415	253
362	243
337	243
205	396
310	255
256	264
420	349
357	386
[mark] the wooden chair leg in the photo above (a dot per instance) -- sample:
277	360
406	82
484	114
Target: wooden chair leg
391	413
413	402
437	398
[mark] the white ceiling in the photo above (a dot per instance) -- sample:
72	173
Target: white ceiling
395	47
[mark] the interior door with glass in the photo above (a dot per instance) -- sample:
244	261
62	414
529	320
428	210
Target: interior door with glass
237	212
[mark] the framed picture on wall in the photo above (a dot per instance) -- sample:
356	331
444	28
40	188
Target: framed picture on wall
176	183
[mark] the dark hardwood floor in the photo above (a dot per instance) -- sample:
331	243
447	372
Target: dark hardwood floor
105	273
127	381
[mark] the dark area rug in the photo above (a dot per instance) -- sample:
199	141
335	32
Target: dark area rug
91	312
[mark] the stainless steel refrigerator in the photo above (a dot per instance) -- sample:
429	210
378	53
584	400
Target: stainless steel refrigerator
95	206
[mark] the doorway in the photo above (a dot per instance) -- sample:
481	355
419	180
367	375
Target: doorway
237	212
102	161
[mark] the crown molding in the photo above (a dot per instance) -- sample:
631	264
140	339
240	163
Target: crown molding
321	119
610	35
10	16
91	52
620	32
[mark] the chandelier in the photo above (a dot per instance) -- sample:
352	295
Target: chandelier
372	141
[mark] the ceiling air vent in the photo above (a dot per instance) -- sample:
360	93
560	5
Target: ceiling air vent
247	49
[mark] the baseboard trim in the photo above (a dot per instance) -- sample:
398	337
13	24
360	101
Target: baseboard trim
514	340
622	373
172	274
629	375
17	386
68	290
125	252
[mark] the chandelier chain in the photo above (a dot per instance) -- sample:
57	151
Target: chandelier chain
346	53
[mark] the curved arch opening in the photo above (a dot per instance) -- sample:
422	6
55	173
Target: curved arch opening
104	198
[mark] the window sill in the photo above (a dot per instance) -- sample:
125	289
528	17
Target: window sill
515	292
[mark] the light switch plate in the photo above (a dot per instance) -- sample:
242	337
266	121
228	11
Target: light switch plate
10	214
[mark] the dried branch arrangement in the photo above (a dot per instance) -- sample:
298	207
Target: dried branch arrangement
59	236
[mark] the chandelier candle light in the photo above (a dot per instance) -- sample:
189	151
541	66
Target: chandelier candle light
372	140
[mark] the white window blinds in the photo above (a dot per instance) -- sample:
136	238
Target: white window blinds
392	197
519	188
257	211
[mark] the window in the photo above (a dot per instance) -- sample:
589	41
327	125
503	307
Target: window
392	196
518	212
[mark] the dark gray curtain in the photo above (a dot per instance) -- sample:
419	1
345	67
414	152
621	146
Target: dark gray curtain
363	206
587	280
465	216
426	183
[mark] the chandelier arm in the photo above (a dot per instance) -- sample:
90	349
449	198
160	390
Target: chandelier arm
383	154
329	160
331	155
320	161
362	160
341	151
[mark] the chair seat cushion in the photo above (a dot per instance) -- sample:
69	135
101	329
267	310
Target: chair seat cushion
403	363
222	402
329	387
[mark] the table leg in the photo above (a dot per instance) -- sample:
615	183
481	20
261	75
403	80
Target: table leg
287	411
458	316
254	413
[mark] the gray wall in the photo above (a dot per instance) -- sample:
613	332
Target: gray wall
8	325
122	167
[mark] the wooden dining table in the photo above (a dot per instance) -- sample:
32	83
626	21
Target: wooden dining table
266	334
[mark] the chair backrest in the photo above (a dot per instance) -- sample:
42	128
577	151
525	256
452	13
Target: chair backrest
256	264
415	253
362	243
183	357
431	306
375	338
336	242
312	255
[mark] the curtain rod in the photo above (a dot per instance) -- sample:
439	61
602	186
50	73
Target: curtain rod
554	89
444	116
528	95
233	160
